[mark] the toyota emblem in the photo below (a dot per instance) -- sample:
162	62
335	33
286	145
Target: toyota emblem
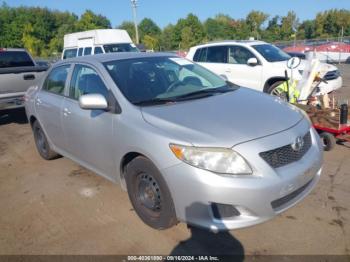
298	144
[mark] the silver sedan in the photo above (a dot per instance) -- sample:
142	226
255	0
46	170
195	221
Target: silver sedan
185	144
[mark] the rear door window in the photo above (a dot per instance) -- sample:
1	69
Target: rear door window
86	80
15	59
56	80
203	55
216	54
87	51
70	53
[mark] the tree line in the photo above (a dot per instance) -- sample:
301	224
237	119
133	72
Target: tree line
41	30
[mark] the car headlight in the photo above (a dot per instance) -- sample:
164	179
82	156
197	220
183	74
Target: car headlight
218	160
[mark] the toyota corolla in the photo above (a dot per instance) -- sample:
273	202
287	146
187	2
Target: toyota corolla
185	144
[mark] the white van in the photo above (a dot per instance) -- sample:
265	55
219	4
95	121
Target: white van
97	42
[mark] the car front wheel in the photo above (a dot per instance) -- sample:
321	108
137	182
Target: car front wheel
149	194
273	90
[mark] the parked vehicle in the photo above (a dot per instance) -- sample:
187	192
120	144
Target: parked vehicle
255	64
18	72
46	63
98	41
297	54
187	145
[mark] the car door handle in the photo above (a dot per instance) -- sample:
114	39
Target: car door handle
66	112
29	77
228	70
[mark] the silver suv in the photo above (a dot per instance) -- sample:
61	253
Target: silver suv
186	145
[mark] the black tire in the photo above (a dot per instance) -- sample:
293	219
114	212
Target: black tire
272	87
149	194
328	141
42	143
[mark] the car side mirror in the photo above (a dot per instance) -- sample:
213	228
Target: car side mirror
293	62
93	102
252	61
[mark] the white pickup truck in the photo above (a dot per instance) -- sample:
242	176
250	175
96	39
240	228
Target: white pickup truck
256	64
18	71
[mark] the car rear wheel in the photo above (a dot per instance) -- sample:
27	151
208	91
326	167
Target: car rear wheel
42	143
149	194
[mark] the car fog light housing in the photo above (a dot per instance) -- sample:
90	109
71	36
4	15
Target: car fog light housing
218	160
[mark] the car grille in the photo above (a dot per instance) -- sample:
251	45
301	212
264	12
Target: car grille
276	204
331	75
286	154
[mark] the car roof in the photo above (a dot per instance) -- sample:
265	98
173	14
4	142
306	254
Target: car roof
239	42
101	58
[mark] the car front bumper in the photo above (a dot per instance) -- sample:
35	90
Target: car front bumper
330	86
194	190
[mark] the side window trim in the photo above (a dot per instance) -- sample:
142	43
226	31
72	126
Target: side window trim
112	101
63	94
68	50
225	53
98	48
75	65
85	53
80	51
197	55
243	47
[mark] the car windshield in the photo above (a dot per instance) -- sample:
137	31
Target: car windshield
271	53
115	48
154	80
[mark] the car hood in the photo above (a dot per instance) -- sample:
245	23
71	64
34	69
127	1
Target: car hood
223	120
324	67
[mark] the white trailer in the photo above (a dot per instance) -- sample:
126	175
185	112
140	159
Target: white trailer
97	42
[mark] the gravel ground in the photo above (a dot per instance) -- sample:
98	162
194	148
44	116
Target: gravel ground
58	207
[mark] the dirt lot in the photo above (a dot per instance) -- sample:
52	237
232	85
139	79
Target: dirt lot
57	207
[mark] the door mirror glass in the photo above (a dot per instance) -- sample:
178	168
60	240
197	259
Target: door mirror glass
93	102
252	61
293	62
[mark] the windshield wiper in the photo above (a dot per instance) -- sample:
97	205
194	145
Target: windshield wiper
193	95
204	93
155	101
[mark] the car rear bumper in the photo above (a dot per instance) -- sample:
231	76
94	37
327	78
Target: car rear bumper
248	200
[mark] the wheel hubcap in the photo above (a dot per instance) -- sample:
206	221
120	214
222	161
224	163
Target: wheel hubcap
325	142
149	193
280	94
